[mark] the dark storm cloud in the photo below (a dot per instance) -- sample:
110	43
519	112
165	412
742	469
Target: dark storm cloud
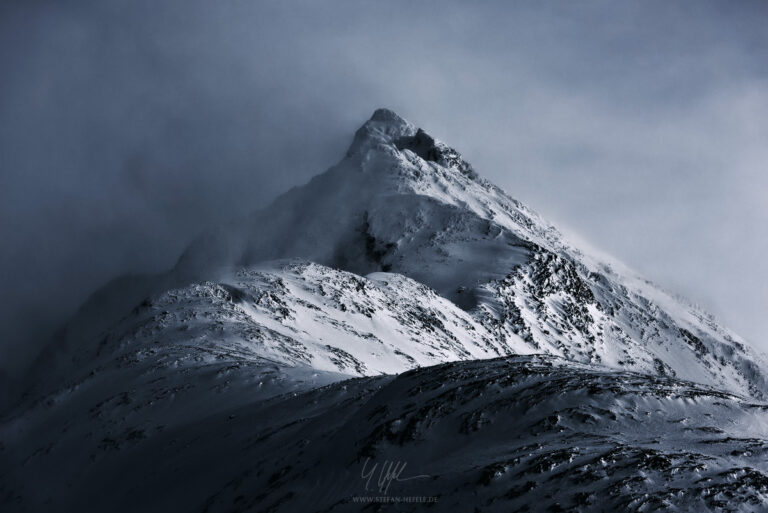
128	127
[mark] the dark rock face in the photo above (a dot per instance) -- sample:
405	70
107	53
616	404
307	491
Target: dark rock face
422	144
425	146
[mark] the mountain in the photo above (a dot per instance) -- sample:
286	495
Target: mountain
403	202
397	307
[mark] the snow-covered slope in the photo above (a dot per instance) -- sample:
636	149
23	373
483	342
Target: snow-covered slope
293	314
522	433
389	308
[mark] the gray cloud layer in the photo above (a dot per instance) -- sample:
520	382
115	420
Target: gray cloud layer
126	127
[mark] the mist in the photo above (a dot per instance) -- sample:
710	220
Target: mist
127	127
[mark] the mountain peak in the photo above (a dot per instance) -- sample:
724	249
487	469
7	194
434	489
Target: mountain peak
406	203
384	115
384	127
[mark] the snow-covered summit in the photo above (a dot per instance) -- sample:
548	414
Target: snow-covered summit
404	202
387	129
384	127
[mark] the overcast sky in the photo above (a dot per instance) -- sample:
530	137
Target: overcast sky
126	127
